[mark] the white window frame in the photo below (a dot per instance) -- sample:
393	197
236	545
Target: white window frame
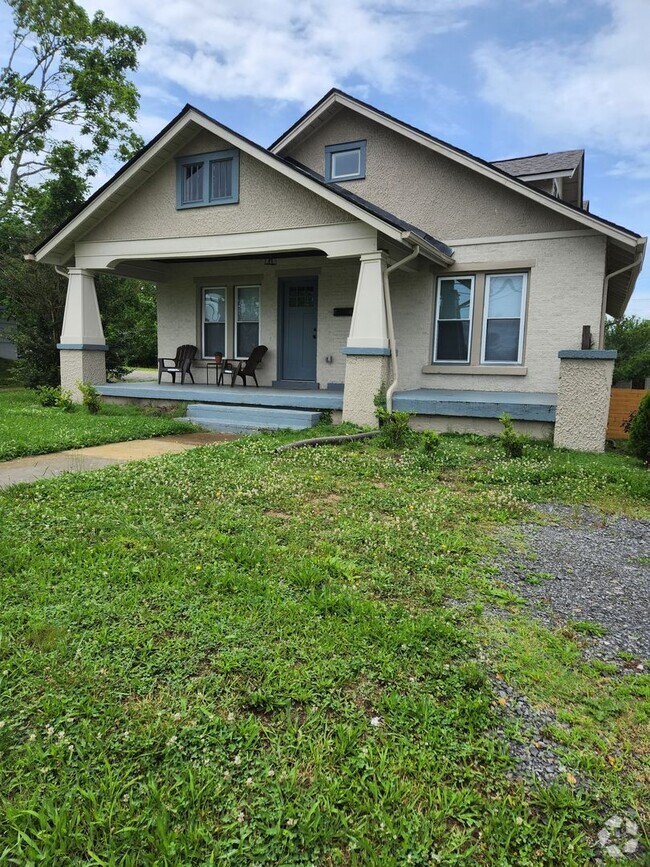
237	320
522	316
442	277
344	147
205	289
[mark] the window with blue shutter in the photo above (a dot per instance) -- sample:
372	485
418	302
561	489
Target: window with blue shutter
207	179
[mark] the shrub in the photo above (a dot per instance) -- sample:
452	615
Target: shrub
430	441
394	427
380	400
512	442
325	416
639	441
65	402
48	395
91	398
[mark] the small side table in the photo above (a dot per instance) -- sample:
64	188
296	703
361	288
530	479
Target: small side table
218	371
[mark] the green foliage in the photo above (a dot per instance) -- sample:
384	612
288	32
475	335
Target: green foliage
298	673
27	428
379	399
639	442
512	442
65	71
91	398
431	441
48	395
394	426
630	337
65	402
326	416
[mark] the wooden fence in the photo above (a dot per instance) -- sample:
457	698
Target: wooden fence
623	403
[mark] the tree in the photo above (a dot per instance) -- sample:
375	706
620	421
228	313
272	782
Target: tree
630	337
64	68
65	101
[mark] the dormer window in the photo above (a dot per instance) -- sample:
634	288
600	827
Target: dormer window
207	179
345	162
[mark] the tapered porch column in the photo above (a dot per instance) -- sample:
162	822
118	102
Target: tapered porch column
367	350
82	347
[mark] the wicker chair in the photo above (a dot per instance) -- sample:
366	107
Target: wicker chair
180	364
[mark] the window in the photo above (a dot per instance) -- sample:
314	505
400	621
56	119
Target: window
207	179
503	318
479	321
247	320
345	162
453	323
214	321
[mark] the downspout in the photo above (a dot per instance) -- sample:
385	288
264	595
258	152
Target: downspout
608	277
391	326
62	272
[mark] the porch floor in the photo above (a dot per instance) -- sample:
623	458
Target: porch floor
288	398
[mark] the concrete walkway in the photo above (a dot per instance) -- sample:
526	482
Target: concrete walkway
37	467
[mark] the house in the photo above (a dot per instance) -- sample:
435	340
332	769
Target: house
361	251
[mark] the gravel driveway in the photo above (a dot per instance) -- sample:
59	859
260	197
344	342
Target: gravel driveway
590	569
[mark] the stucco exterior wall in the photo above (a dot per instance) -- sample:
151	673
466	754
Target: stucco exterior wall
179	308
431	191
583	403
539	430
364	376
267	200
564	293
81	366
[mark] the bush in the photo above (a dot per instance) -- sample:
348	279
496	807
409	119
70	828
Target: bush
394	427
65	402
91	398
380	400
48	395
639	441
512	442
430	441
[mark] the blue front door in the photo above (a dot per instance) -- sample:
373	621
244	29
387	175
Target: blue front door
298	311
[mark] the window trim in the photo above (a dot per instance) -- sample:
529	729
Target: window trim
206	160
236	319
339	148
522	317
436	320
212	288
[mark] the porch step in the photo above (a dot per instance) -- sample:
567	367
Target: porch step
249	419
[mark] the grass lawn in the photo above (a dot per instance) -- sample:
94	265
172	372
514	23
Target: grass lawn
243	657
27	428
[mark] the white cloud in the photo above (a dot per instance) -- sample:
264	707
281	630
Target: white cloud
594	91
279	49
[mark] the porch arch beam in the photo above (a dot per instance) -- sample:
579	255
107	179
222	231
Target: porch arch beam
337	240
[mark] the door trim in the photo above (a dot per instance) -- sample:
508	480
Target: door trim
280	382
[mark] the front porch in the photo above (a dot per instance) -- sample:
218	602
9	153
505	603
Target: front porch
277	398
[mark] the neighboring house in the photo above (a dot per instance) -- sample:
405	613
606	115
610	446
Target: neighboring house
7	335
361	250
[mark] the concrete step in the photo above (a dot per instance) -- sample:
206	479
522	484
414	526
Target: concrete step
248	419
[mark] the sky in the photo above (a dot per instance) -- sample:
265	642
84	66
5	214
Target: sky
499	78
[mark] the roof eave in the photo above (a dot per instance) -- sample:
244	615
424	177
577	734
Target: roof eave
57	248
618	233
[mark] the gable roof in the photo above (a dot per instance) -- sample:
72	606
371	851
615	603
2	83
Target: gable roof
541	164
335	98
177	132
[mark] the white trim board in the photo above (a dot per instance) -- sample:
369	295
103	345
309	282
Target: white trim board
132	178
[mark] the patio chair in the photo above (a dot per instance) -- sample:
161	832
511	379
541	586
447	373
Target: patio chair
180	364
248	367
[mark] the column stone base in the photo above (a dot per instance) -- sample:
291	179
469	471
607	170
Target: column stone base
583	399
364	376
82	365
